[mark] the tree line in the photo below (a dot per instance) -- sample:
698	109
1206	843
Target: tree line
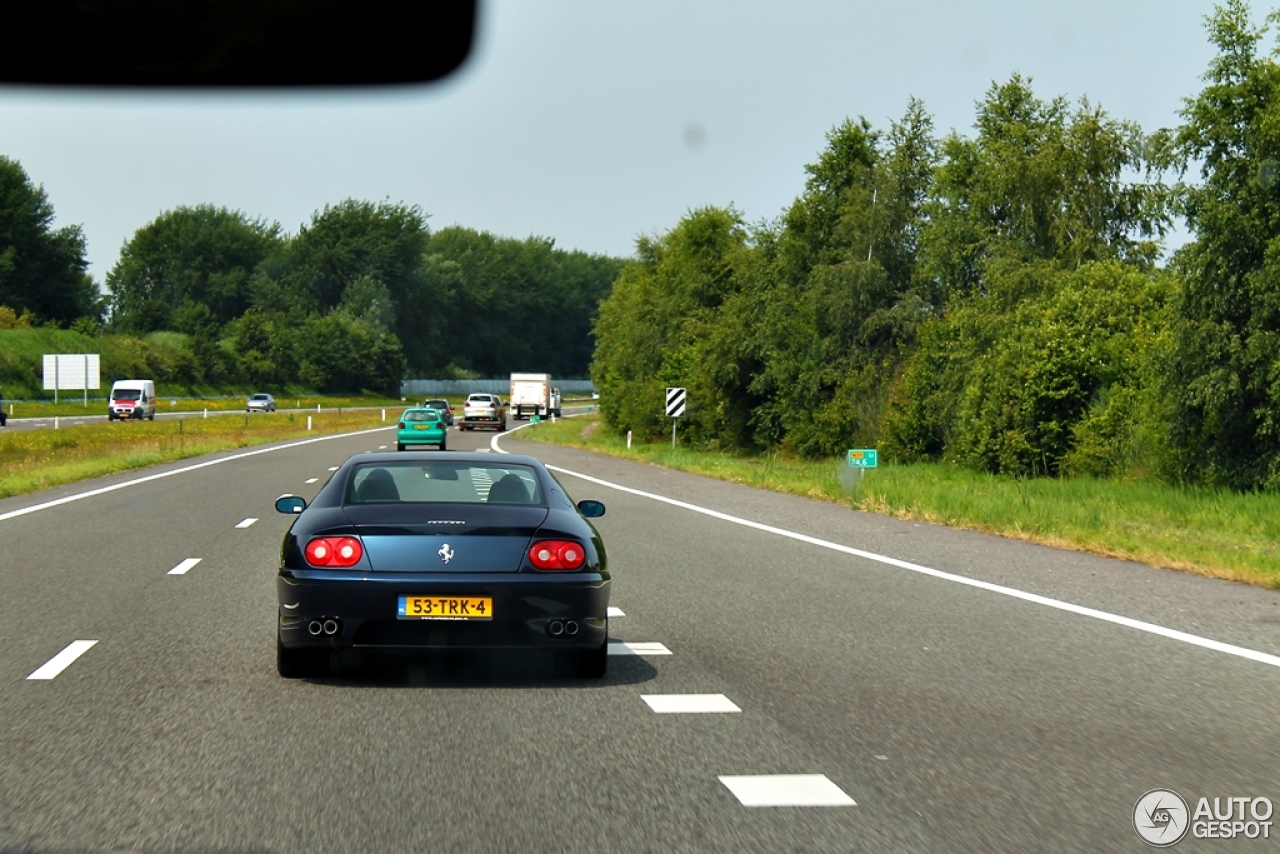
361	296
997	300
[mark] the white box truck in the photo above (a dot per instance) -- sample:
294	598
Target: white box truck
532	394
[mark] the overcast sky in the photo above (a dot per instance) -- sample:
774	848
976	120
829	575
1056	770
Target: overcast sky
592	122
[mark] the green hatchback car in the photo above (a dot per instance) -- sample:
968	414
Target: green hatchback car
420	426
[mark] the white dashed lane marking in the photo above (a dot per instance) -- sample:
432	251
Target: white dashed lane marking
247	522
184	567
787	790
615	612
382	447
333	468
637	648
62	660
690	704
311	479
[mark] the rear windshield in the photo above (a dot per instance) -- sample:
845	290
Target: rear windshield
421	415
481	398
437	404
443	482
126	394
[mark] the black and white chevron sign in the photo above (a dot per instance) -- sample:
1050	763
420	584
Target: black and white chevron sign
675	402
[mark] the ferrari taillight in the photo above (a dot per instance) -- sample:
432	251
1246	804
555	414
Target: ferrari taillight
557	554
334	551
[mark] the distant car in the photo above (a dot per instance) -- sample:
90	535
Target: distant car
260	403
439	404
428	551
483	410
420	426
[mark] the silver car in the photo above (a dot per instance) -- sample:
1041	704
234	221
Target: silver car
260	403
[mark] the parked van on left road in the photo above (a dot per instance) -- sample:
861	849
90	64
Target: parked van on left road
132	399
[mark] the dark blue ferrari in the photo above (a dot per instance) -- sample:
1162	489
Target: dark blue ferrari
427	550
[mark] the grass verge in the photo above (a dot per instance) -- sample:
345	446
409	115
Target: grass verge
32	460
1210	532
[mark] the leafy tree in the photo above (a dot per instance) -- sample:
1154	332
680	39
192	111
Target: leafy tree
841	299
1067	378
1224	374
341	354
493	305
42	269
657	327
189	256
1038	183
378	250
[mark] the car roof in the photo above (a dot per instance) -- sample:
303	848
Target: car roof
455	456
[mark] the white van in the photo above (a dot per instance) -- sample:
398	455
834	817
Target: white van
134	399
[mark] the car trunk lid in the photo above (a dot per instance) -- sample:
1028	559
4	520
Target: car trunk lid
455	538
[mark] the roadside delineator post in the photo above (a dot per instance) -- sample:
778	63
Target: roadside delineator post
628	440
308	423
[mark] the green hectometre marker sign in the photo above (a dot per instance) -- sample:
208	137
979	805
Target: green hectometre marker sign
862	458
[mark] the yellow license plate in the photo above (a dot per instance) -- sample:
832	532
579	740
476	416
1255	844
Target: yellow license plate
445	608
421	426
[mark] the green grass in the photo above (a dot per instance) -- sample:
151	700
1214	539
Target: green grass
32	460
1210	532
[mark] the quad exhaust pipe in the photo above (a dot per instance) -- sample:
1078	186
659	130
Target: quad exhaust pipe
328	627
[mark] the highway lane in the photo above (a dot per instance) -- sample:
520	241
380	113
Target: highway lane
957	719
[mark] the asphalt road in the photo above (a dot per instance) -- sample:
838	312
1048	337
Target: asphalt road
948	691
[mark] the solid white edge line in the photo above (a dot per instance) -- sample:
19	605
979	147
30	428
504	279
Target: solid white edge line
248	522
62	660
105	489
1035	598
184	567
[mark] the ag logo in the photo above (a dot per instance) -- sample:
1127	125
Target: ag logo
446	554
1160	817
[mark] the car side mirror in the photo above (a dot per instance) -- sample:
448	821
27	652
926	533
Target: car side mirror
290	504
591	509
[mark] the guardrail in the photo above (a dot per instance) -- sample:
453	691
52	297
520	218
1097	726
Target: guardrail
423	388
